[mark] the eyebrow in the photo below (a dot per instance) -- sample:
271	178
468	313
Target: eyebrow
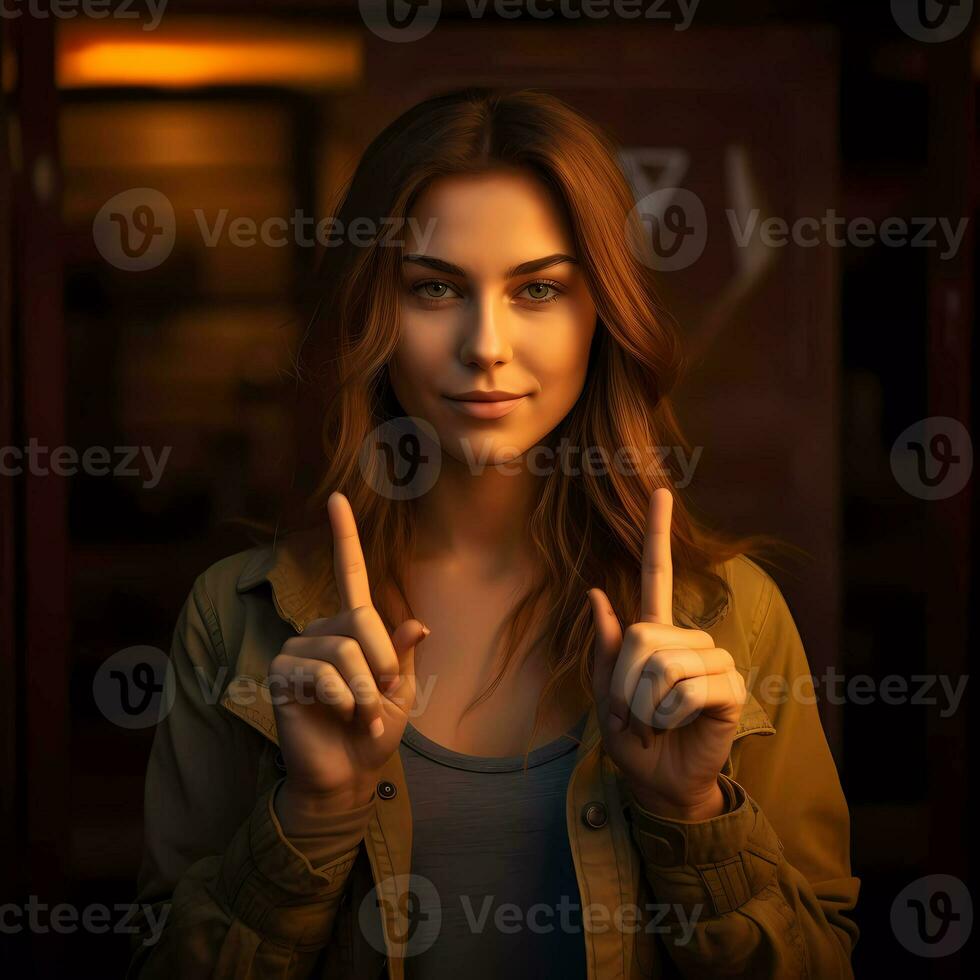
534	265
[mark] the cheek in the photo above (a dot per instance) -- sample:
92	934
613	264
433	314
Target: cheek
560	357
414	363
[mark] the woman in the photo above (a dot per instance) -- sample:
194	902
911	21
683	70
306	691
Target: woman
564	773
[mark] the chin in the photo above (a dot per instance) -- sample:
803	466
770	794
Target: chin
476	450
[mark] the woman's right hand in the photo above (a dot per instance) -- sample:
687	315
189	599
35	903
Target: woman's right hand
342	689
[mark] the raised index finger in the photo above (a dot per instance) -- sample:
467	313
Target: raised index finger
349	568
657	581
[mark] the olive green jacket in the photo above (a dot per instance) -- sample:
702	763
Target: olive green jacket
758	891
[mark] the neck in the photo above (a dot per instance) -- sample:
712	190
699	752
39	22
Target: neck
477	519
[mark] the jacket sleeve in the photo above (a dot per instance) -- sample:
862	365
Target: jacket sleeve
222	892
761	889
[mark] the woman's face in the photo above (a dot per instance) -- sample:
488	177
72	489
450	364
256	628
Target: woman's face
492	299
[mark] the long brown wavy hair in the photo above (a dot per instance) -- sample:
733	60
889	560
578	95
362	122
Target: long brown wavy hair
586	531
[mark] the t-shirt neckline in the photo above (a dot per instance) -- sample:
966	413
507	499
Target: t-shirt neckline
415	740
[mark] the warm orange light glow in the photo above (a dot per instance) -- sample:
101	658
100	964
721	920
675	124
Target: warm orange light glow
183	58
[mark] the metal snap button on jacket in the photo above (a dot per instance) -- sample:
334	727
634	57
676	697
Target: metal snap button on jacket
594	815
386	789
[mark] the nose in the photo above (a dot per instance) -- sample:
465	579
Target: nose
486	341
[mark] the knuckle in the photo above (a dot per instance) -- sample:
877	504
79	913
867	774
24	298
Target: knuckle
280	668
318	627
363	688
361	615
332	689
367	707
344	707
683	697
637	633
663	667
348	648
290	647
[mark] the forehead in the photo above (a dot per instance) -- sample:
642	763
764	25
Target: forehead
488	221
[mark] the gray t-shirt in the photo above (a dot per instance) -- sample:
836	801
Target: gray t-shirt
494	888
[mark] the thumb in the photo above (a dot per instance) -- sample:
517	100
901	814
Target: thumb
405	639
608	640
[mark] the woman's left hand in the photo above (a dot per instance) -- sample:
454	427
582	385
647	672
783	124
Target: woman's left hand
668	700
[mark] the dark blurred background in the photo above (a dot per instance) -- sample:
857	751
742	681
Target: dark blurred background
808	363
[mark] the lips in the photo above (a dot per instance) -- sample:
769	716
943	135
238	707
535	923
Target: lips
489	405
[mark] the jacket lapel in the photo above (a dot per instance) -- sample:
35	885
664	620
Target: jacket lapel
299	574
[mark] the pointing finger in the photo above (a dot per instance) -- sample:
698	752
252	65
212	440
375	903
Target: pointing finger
657	582
350	569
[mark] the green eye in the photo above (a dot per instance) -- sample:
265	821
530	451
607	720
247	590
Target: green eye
541	292
434	289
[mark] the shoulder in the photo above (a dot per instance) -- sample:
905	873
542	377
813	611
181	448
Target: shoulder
226	598
733	597
758	618
256	598
753	589
761	618
235	573
221	583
